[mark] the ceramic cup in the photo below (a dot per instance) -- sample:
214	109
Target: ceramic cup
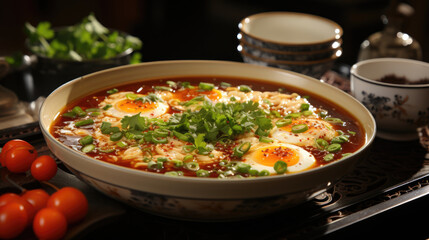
399	109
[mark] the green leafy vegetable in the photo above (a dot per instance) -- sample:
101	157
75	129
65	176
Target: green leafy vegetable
86	40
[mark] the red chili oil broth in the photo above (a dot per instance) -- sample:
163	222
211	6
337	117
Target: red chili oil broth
334	110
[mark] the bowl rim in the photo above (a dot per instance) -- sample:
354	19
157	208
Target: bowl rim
284	62
247	19
323	50
354	69
369	138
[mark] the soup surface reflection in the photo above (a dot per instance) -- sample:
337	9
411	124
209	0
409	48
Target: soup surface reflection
209	127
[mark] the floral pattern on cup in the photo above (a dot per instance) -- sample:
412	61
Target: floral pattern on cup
384	107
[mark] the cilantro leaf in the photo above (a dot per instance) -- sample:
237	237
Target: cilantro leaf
135	122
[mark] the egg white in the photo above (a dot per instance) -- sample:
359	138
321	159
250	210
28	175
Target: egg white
306	159
317	129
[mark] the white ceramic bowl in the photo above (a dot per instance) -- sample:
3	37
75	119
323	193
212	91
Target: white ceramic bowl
398	109
314	68
201	198
291	56
289	31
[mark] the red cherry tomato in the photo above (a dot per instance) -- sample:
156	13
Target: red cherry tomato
71	202
9	145
18	159
13	220
44	168
36	197
50	223
15	198
8	198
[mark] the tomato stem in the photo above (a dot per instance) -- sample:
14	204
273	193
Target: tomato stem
50	185
15	184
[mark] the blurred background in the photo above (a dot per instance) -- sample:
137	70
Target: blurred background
202	29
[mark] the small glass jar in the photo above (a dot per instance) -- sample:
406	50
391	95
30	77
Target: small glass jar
391	41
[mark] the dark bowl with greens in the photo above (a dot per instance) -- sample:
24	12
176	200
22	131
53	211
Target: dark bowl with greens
65	53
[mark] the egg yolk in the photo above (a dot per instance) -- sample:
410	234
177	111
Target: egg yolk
132	106
270	155
190	93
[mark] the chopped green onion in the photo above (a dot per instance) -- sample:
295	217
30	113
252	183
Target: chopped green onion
188	157
84	122
163	88
206	86
171	84
304	107
156	139
265	139
88	148
323	113
109	150
351	132
293	115
240	150
244	88
188	148
122	144
181	136
225	85
321	143
155	165
92	110
177	163
202	173
193	166
86	140
186	85
275	114
112	91
162	159
116	136
253	172
242	167
334	120
340	132
263	173
280	167
78	110
340	139
283	122
69	114
173	173
161	132
299	128
307	113
131	96
105	127
335	147
107	106
328	157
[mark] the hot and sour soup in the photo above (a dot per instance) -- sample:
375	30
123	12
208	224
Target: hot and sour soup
218	127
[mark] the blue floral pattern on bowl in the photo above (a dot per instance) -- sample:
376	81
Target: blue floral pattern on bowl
384	107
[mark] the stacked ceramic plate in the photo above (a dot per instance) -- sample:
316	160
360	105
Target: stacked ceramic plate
297	42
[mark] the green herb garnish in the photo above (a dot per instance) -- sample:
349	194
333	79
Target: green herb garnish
86	40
